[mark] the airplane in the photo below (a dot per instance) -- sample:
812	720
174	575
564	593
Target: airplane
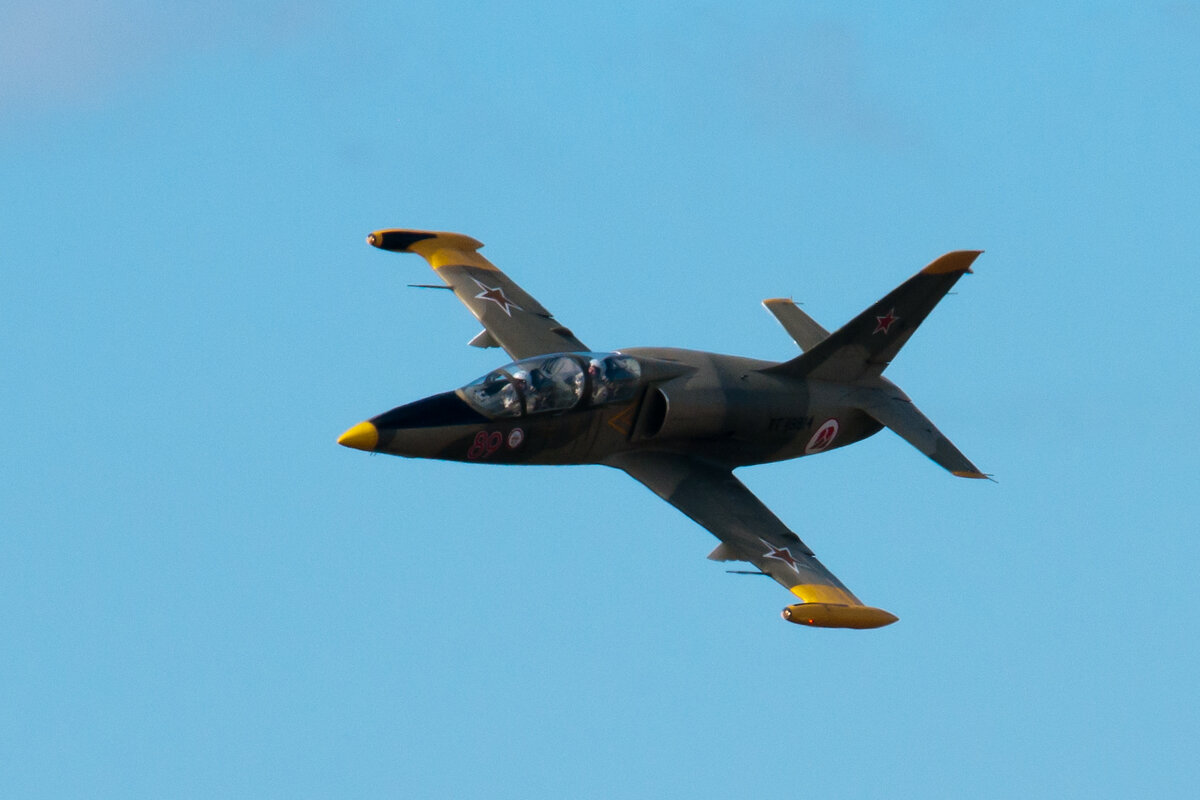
678	421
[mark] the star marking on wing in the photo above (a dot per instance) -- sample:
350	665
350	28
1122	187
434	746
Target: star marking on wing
884	324
497	296
780	554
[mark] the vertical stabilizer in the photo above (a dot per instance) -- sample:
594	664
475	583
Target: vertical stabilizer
864	346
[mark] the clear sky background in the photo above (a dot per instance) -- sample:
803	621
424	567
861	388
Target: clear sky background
201	595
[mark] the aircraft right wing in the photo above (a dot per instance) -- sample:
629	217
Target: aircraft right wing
511	318
713	497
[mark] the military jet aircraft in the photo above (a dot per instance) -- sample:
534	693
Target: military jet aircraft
679	421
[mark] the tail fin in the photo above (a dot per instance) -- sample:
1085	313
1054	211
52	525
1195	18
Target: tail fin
865	345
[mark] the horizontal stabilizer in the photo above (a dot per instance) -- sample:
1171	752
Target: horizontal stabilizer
804	330
891	407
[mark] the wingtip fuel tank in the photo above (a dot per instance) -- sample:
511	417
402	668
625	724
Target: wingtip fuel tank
828	615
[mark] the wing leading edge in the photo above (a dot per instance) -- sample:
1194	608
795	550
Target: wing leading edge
511	318
749	531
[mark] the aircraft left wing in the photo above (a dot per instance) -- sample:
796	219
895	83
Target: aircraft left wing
749	531
511	318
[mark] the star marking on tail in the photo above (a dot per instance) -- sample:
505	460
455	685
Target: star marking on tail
882	324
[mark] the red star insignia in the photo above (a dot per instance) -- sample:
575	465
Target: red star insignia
780	554
496	295
884	324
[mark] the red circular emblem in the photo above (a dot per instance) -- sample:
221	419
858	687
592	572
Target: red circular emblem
515	437
823	437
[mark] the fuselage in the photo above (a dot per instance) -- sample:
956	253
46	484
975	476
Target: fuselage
586	408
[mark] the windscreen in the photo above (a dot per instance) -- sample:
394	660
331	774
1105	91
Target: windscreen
554	383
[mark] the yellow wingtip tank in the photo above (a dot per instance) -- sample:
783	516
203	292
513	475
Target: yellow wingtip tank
828	615
828	606
439	248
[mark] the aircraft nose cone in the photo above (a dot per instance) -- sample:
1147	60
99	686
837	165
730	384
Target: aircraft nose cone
363	436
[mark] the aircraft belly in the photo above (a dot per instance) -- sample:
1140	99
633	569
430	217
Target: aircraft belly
754	418
799	418
852	426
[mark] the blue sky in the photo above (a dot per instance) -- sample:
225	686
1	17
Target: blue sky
203	595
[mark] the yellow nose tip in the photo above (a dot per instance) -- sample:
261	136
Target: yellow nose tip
363	436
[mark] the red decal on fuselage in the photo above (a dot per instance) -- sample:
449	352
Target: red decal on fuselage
515	438
485	444
823	437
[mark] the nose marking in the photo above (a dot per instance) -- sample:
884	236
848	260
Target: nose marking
363	436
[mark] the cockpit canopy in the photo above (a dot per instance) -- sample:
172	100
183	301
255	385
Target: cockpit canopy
552	383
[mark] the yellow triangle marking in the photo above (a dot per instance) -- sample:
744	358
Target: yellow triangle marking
621	421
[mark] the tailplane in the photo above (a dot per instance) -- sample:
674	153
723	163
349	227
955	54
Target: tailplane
805	331
891	407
